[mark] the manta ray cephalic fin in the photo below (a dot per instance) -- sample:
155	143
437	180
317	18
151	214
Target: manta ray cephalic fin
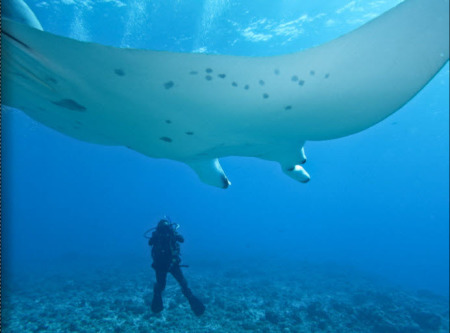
210	172
290	161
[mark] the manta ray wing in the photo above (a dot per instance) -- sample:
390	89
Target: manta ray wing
196	108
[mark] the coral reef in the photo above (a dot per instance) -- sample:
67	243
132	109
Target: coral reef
300	298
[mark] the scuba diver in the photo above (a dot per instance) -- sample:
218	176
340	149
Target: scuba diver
166	259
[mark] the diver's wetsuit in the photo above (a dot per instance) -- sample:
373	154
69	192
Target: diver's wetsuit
166	259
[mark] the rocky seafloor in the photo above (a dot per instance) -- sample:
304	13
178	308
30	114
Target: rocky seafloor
299	297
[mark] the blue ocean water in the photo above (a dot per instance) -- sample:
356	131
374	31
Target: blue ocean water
378	200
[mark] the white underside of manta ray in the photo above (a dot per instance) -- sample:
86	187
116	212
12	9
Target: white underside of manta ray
196	108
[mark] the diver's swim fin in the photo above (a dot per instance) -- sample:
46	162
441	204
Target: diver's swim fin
196	305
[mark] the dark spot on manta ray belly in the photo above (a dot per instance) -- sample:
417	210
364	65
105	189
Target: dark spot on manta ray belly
169	84
190	133
277	72
70	104
51	80
288	107
294	78
168	121
261	82
265	95
234	84
312	72
222	76
246	87
166	139
327	76
208	77
193	72
301	82
119	72
209	70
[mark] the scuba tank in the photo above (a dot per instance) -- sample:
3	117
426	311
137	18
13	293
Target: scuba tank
165	247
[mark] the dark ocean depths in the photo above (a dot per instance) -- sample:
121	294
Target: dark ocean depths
363	247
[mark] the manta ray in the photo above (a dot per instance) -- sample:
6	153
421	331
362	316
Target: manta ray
197	108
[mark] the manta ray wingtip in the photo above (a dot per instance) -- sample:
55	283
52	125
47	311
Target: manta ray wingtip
18	10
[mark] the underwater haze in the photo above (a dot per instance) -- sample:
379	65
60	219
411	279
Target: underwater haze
377	204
